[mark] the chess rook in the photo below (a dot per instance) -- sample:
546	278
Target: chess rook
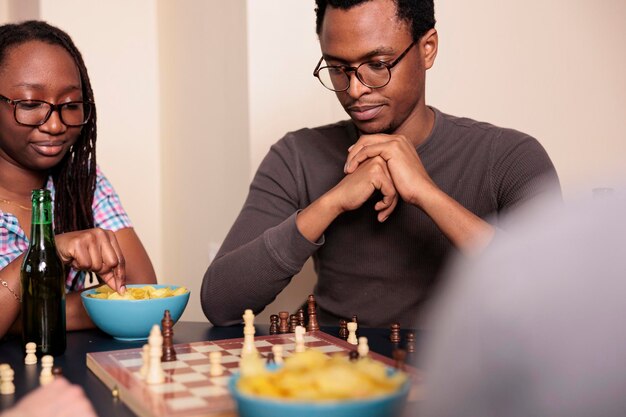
312	325
352	339
168	354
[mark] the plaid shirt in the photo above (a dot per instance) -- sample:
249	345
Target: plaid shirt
108	213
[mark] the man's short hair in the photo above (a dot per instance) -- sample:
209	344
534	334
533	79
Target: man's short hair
419	14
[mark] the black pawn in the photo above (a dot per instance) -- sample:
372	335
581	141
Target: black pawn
57	371
394	336
270	359
399	356
410	342
353	355
283	325
343	329
293	323
300	315
274	324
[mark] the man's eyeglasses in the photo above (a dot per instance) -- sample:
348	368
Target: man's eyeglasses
37	112
372	74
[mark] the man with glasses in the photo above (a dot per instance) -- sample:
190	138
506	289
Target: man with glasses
381	200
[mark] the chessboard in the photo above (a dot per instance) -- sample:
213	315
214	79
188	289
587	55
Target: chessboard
189	390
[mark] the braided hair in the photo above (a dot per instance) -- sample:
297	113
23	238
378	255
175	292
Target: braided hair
74	177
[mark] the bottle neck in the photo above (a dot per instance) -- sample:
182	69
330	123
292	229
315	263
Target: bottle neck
41	232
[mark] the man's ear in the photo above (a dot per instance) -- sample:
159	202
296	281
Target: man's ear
428	45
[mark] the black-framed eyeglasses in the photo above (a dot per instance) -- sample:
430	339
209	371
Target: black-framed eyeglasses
372	74
37	112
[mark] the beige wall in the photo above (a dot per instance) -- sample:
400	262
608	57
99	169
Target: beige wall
204	132
117	39
214	84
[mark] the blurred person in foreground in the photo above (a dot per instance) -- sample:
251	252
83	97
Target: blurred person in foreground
535	327
379	201
57	399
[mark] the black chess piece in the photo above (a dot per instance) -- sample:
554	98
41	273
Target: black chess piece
293	323
410	342
353	355
395	333
169	354
343	329
274	324
312	325
271	360
283	326
300	315
399	356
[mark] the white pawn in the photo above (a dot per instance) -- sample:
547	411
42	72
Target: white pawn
46	376
7	386
215	359
155	374
31	357
300	339
145	360
352	326
363	348
277	350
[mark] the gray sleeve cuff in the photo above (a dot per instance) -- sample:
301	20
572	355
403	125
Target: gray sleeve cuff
286	244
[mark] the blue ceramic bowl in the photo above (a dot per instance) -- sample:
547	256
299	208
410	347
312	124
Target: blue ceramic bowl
132	319
389	405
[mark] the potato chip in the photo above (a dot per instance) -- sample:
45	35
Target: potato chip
137	293
314	376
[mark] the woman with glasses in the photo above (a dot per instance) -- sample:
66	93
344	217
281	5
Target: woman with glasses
48	140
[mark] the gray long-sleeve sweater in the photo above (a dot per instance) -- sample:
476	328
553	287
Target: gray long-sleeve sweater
382	272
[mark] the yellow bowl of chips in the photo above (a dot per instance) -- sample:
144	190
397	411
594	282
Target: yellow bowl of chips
132	315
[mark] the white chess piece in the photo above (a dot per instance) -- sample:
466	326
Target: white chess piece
248	334
145	359
155	374
363	347
277	350
31	357
215	359
7	386
300	339
46	376
352	326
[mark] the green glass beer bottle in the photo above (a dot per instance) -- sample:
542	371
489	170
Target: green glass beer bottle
43	283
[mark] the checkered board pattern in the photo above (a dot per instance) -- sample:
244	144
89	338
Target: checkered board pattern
189	390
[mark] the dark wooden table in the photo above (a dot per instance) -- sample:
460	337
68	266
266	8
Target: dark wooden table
80	343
